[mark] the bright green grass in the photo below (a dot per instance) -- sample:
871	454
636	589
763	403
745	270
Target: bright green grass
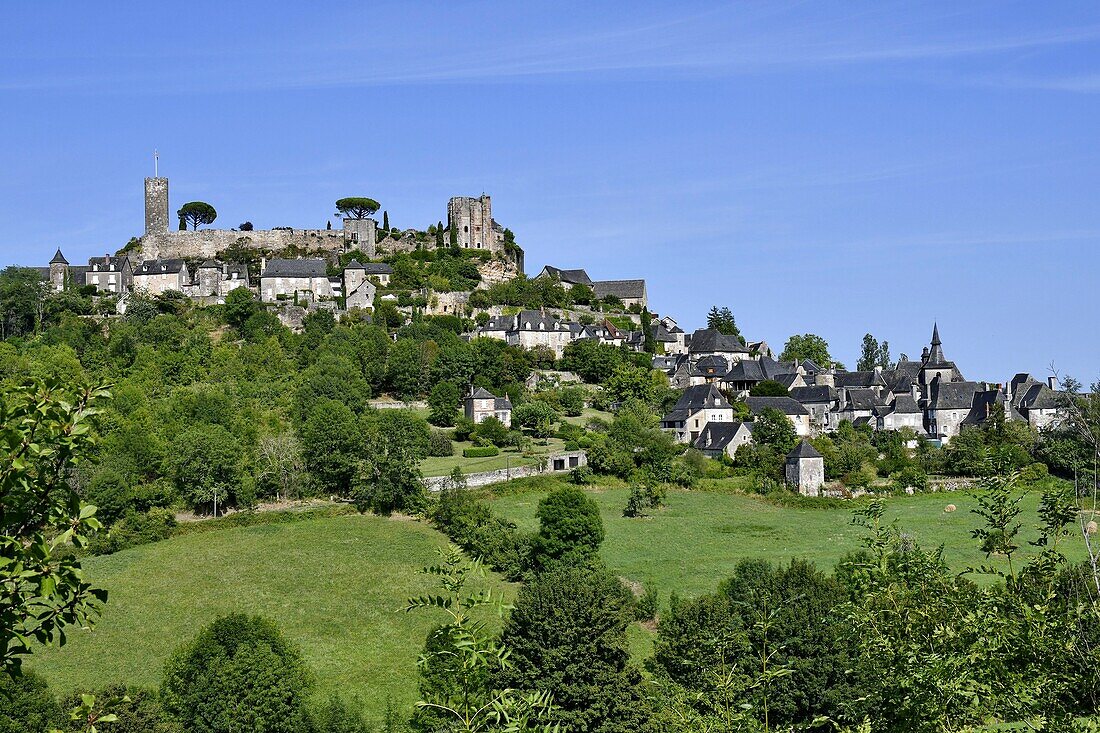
694	543
337	588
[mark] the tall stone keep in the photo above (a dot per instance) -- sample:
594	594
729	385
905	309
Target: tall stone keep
472	220
156	206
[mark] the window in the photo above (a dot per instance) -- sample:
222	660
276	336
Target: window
465	228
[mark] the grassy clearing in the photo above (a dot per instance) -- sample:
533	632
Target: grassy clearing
693	543
336	586
441	466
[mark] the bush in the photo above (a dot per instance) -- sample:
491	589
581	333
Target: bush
135	529
239	673
490	431
581	475
464	427
334	716
861	477
647	606
26	704
440	445
484	451
910	477
470	524
570	527
142	713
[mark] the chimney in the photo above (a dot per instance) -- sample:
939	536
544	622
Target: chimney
1052	382
263	265
914	390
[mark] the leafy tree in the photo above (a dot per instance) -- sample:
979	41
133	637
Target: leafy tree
490	431
240	305
246	226
443	402
571	400
648	331
536	416
570	527
873	354
356	207
567	635
195	213
773	428
807	346
331	446
460	658
205	465
439	235
388	478
45	430
135	710
238	673
722	319
22	300
386	220
768	388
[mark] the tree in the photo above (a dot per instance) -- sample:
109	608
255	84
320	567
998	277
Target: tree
205	465
567	635
807	346
356	207
45	430
722	319
768	388
873	355
570	527
385	221
536	416
439	235
238	673
247	226
240	305
460	657
388	478
195	213
774	429
280	463
22	296
331	445
443	403
650	343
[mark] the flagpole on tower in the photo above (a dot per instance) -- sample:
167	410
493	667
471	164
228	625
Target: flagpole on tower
156	163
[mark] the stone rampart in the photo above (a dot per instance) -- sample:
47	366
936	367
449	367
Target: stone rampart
206	243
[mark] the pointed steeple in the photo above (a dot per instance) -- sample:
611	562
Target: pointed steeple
936	355
59	258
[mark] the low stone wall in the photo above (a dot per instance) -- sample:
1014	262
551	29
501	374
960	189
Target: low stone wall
556	463
399	405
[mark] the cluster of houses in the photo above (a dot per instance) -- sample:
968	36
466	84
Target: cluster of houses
296	280
930	396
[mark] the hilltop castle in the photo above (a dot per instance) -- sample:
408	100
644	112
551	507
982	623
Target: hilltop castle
471	220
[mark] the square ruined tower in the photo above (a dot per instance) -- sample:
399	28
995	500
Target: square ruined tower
156	206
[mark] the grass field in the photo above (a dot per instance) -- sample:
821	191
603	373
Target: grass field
694	542
441	466
337	588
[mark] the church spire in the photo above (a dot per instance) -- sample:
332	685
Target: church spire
936	356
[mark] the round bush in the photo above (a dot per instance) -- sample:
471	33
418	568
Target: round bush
237	674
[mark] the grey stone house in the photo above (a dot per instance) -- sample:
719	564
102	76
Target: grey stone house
698	407
483	404
159	276
285	279
805	469
723	437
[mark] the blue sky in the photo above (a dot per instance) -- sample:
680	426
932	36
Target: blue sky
838	167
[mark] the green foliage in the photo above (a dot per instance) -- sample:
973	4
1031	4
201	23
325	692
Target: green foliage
570	527
195	213
331	446
480	451
567	635
873	354
773	429
45	430
238	673
490	432
356	207
388	477
27	705
460	658
807	346
240	305
536	417
22	300
768	388
471	524
205	465
723	321
135	710
333	715
440	445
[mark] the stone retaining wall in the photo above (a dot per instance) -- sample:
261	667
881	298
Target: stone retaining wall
568	461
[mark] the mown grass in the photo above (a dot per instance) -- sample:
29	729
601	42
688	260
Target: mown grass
694	542
336	586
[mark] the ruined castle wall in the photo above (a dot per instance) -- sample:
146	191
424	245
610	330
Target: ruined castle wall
206	243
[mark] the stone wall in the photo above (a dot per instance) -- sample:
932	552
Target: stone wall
206	243
569	461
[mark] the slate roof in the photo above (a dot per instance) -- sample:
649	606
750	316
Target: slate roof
377	268
1038	397
710	366
482	394
622	289
757	370
718	435
803	450
787	379
58	258
902	376
701	396
810	366
159	267
108	263
952	395
210	265
571	277
861	398
816	393
529	320
295	268
904	403
786	405
859	379
706	340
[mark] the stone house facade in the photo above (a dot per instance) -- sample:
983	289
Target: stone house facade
483	404
157	277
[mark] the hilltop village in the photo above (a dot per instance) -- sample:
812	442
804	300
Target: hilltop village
470	268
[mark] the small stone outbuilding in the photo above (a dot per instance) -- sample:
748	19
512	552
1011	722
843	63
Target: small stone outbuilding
805	469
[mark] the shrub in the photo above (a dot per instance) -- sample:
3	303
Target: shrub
464	427
861	477
910	477
570	527
470	524
439	444
581	475
647	606
490	430
135	529
334	716
483	451
237	674
142	713
26	704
